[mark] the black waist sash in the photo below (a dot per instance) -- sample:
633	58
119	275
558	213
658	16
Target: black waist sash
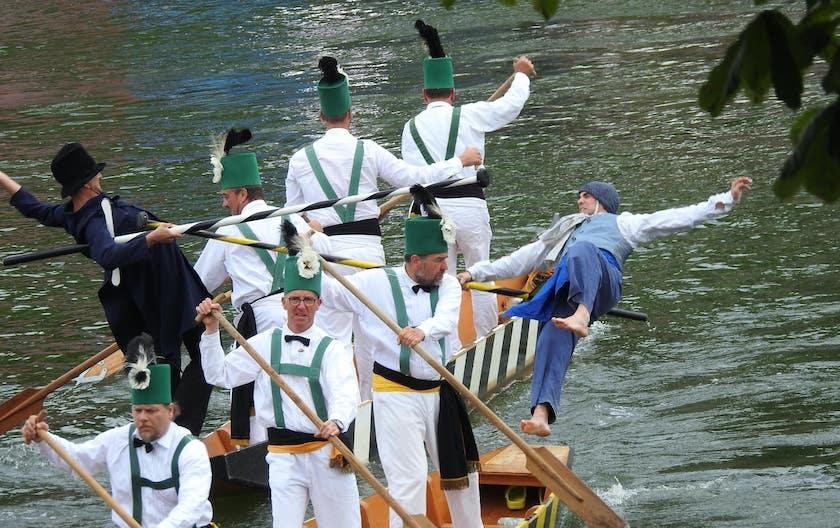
472	190
457	452
369	226
282	436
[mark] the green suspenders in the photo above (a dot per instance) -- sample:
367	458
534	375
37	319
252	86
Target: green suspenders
450	145
312	372
138	482
402	319
346	212
274	266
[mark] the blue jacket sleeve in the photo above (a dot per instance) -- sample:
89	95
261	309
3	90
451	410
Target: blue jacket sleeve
47	214
108	253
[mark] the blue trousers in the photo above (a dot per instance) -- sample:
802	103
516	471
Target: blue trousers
593	282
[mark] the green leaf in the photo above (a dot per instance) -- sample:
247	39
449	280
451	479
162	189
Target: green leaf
547	8
831	81
760	2
448	4
784	67
815	32
766	53
509	3
813	162
801	122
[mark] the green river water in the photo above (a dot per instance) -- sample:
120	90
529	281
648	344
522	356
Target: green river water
721	411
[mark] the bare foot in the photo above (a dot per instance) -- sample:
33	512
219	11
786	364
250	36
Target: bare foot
534	427
576	325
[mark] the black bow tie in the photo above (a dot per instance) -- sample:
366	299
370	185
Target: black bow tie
290	338
140	443
425	288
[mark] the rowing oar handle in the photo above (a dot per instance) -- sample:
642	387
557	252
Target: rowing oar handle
82	472
453	381
313	417
502	89
222	298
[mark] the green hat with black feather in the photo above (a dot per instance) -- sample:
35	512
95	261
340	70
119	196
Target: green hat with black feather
333	89
437	67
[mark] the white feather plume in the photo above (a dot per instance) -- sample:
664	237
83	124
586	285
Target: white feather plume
447	228
217	152
139	375
308	264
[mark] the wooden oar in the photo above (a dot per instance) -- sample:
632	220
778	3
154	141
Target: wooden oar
44	254
579	498
522	294
31	400
92	482
418	521
481	177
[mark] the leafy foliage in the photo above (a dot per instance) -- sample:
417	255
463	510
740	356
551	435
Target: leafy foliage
772	51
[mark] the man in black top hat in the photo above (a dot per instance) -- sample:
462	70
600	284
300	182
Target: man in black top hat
149	285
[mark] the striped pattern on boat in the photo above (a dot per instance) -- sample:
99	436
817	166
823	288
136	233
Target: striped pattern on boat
495	360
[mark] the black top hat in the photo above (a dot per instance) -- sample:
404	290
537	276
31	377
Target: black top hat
73	167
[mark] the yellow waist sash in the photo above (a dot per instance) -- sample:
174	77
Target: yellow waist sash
380	384
307	447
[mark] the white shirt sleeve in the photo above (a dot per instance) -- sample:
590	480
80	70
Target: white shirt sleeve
338	377
445	319
294	193
233	370
639	229
210	265
195	478
524	260
403	174
92	455
489	116
335	295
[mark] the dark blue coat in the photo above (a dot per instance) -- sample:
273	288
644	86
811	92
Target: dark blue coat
158	290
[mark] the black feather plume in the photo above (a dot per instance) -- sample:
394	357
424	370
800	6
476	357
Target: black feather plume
139	355
236	137
430	35
422	200
329	67
290	237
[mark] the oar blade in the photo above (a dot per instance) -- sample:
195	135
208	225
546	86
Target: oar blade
13	416
423	521
589	507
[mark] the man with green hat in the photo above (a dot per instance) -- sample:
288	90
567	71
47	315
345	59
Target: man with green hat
443	130
157	470
338	165
256	274
302	464
412	406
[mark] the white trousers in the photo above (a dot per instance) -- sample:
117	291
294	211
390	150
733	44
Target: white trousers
404	421
295	479
472	239
341	325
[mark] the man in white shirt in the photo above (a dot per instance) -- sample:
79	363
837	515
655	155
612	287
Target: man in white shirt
443	130
256	274
338	165
152	459
301	462
587	252
412	406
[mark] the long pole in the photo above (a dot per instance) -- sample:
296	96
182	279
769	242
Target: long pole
82	472
418	521
481	178
574	492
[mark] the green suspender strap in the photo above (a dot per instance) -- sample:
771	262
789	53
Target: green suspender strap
312	373
275	265
138	482
346	212
450	145
402	319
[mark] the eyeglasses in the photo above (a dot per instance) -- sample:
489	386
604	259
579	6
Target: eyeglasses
307	301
